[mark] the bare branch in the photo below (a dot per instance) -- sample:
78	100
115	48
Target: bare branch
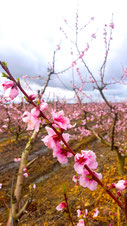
51	71
20	179
113	132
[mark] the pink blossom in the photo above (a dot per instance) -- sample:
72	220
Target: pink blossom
8	84
84	132
92	18
12	89
65	21
91	79
6	120
26	174
32	119
17	159
74	63
25	76
61	206
13	92
87	47
79	213
43	106
81	223
53	141
25	169
121	185
81	55
93	35
96	212
87	181
62	154
75	178
35	112
27	117
58	47
88	158
34	186
85	213
60	120
0	185
4	126
111	25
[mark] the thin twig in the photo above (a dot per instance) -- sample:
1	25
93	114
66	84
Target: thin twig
23	209
31	162
68	211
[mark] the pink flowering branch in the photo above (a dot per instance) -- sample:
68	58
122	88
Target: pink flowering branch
81	56
107	48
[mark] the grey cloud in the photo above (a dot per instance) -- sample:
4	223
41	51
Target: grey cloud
20	62
116	64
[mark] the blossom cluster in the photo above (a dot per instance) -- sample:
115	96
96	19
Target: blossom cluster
53	141
84	214
85	179
33	118
81	214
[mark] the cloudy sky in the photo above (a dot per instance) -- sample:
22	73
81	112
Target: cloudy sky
30	32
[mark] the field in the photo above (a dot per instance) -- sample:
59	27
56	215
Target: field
50	176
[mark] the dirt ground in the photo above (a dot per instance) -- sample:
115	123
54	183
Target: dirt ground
49	177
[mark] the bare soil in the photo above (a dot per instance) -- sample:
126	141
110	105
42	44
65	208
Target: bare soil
49	177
